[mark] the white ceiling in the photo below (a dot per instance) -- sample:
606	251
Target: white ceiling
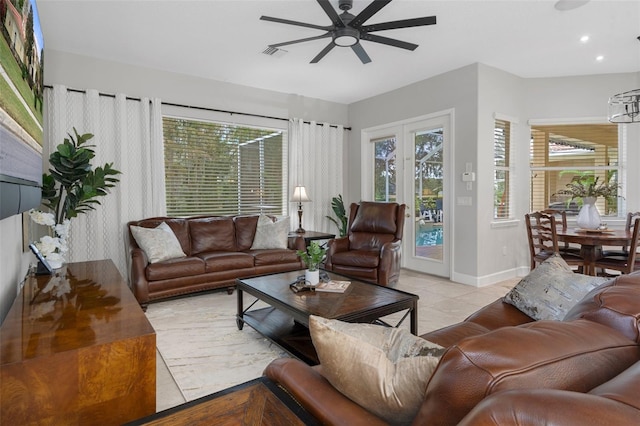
223	40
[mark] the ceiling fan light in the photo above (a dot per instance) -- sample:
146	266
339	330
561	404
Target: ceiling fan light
625	107
346	36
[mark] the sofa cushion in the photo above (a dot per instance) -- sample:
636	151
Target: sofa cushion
495	315
575	355
158	243
373	217
383	369
245	231
615	304
270	234
225	261
275	256
174	268
551	290
212	234
357	258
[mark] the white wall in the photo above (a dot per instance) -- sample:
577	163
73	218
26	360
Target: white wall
500	244
83	72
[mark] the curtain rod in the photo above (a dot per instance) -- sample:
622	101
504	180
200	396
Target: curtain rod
248	114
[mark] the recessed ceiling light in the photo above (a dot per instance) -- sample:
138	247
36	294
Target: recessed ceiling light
570	4
599	58
584	38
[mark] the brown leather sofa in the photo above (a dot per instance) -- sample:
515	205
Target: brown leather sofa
218	250
371	249
501	367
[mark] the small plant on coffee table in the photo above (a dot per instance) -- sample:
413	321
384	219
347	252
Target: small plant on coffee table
313	257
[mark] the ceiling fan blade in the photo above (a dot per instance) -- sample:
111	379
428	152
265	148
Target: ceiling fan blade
373	8
289	22
301	40
388	41
404	23
331	13
359	50
323	53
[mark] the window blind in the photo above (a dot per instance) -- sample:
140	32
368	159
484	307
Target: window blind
223	169
501	162
559	153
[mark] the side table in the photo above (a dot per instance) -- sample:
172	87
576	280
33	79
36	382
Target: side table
312	235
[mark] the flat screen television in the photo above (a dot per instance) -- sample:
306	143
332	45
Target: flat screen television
21	89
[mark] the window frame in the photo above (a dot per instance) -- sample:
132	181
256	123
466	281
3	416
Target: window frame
250	122
621	167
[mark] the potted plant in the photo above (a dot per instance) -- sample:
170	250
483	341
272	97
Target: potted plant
312	257
69	189
587	187
338	209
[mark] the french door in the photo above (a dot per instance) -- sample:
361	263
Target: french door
409	163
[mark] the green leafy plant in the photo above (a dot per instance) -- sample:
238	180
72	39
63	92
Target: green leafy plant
72	185
313	256
341	215
585	184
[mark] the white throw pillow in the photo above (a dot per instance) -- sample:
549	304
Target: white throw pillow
383	369
159	243
551	290
270	234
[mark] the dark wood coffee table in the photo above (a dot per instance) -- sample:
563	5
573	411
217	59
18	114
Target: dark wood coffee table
286	320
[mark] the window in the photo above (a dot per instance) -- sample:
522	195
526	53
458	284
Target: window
501	163
223	169
385	169
560	153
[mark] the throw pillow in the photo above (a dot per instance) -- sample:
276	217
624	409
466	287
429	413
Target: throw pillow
159	243
383	369
551	290
270	234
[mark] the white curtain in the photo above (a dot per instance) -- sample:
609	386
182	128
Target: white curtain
127	133
316	152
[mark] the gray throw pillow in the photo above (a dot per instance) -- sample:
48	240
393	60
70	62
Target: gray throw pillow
383	369
158	243
551	290
270	234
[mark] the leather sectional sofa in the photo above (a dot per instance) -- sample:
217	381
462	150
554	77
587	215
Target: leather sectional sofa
501	367
218	250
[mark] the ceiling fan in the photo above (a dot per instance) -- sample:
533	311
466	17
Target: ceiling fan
348	30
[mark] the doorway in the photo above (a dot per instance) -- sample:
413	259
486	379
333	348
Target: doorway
409	163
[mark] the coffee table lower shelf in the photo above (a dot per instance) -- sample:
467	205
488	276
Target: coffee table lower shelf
282	330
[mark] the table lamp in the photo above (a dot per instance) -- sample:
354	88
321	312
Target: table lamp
300	196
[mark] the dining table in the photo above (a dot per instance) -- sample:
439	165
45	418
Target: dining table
591	242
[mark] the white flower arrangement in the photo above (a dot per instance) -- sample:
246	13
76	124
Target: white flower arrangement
54	249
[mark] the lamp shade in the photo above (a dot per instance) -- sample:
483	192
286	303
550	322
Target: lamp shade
300	195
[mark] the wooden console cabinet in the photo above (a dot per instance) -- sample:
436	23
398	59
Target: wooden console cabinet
77	349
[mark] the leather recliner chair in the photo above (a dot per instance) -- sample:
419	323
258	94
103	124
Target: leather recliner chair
372	248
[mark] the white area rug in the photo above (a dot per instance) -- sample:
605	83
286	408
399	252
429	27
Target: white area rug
205	352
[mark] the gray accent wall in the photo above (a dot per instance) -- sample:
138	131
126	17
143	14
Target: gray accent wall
485	251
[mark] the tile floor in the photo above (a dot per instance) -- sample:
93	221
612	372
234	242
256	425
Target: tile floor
201	351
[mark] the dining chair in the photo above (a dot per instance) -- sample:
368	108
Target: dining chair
543	240
625	262
562	216
629	225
